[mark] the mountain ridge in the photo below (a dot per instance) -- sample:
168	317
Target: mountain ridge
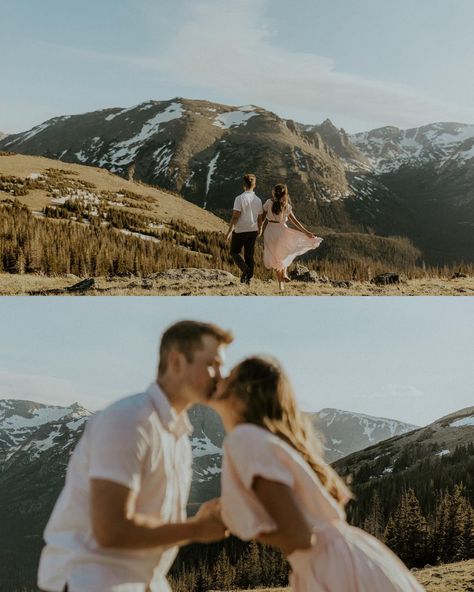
415	183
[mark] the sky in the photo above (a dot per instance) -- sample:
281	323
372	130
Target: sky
363	64
403	358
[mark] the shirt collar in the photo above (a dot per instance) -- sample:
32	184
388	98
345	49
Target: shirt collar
176	423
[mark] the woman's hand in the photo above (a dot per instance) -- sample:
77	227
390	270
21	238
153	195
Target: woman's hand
208	524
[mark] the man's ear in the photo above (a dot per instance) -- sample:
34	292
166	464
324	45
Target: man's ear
175	361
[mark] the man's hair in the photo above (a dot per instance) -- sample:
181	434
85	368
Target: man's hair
249	180
186	337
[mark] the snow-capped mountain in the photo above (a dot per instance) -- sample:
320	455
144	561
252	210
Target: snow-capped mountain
30	429
415	183
197	148
32	434
389	148
405	453
345	432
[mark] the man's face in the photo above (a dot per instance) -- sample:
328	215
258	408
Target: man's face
202	374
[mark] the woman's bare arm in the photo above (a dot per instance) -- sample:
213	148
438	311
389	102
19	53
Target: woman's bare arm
298	224
293	531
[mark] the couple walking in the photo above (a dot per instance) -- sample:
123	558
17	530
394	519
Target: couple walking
280	244
121	516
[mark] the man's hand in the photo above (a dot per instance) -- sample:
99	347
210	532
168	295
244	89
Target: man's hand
208	523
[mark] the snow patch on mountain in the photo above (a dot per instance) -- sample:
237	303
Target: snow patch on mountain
33	132
162	158
233	118
465	421
204	447
124	152
37	418
212	168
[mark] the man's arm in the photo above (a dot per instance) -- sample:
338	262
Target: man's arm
116	524
233	222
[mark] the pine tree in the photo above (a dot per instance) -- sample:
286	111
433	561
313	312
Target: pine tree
374	523
407	532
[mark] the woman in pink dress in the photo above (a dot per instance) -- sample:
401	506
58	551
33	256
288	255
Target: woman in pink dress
280	243
277	489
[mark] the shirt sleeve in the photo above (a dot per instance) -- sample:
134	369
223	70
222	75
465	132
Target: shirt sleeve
255	453
266	206
118	446
238	204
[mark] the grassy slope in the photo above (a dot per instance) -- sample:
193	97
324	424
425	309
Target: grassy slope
166	206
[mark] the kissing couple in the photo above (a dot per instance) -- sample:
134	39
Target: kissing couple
121	516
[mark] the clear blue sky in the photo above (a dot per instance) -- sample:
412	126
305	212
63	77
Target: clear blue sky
363	64
404	358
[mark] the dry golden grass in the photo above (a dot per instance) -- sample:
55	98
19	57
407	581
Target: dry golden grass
166	206
33	284
455	577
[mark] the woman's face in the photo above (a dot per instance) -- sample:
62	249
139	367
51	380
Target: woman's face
226	402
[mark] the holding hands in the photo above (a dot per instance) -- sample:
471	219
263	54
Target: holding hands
208	523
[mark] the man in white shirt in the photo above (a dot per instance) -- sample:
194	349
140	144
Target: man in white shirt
245	226
121	516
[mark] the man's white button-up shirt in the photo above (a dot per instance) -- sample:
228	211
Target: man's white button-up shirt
141	443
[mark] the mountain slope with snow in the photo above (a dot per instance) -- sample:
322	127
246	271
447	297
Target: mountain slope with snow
416	183
406	451
201	150
345	432
390	148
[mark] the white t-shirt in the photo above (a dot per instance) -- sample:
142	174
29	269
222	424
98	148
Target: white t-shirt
139	442
250	208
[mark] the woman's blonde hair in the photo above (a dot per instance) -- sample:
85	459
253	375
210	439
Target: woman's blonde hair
269	402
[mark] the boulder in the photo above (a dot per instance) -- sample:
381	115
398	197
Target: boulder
82	286
384	279
301	273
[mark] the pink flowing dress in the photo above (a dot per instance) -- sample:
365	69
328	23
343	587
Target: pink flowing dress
282	244
343	558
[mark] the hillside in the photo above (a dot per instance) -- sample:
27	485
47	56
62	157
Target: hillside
40	182
415	183
417	490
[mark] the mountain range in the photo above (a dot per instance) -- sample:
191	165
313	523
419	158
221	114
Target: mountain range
404	453
32	434
415	183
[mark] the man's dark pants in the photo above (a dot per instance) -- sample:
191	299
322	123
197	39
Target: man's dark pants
245	241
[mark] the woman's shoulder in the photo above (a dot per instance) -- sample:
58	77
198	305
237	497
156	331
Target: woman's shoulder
249	433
